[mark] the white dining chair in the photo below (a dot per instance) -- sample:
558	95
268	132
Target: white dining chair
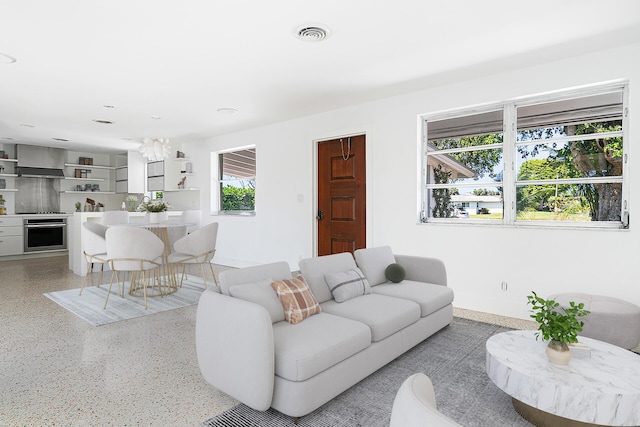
198	247
114	217
137	251
94	249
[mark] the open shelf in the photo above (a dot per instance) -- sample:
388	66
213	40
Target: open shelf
73	165
83	179
87	192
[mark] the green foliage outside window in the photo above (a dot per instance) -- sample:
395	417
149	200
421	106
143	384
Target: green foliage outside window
238	199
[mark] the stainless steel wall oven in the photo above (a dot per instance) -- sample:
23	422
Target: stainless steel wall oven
45	234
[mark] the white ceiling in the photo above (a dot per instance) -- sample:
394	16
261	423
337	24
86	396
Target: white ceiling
181	60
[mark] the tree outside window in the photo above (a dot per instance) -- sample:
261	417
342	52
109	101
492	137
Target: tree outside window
567	153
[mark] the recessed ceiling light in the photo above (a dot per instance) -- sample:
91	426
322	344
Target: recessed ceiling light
108	106
7	59
103	122
311	33
156	117
60	139
227	111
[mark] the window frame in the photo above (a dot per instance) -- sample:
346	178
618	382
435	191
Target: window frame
509	159
217	182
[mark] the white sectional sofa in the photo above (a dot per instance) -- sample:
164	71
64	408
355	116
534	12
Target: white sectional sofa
246	349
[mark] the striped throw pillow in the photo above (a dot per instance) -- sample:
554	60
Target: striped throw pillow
347	285
296	298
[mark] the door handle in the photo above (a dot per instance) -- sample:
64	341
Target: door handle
320	216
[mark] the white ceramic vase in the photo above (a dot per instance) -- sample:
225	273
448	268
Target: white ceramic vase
156	217
558	353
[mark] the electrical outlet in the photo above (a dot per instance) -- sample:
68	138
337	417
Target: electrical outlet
504	286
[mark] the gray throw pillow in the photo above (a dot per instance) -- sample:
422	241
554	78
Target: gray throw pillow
260	293
347	285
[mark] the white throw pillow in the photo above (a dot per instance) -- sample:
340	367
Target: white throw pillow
260	293
347	285
373	262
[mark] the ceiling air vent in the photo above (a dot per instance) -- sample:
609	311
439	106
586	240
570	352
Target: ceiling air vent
103	122
311	33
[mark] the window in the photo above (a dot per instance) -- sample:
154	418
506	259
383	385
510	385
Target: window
554	159
237	179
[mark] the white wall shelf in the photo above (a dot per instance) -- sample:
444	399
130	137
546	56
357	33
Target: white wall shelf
9	175
83	179
87	192
13	190
9	160
73	165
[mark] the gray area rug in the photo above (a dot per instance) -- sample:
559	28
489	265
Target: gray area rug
89	305
453	358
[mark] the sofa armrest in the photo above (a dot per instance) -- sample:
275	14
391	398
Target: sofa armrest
423	269
234	346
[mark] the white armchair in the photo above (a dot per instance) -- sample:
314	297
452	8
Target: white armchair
198	247
137	251
94	248
415	405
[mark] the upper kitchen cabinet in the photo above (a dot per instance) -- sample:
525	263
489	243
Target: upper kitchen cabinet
129	177
155	176
88	172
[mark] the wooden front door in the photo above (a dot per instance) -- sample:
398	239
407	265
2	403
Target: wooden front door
341	195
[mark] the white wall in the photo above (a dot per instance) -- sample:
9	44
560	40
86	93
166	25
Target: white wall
544	260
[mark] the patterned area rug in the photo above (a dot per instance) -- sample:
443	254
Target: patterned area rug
453	358
89	305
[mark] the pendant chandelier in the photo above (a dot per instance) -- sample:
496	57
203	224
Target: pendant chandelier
155	149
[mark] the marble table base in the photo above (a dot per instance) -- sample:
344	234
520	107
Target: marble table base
544	419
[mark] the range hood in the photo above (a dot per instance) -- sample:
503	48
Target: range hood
39	162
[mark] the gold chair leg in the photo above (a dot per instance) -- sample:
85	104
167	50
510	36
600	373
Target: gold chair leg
84	280
184	271
212	273
204	274
144	288
114	273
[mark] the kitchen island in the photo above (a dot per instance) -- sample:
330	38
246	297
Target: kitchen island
77	262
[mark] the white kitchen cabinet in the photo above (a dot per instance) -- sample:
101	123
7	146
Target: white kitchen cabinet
11	232
130	174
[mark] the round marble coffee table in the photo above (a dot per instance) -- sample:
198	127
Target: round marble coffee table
603	389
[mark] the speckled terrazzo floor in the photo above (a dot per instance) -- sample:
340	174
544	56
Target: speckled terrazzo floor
57	370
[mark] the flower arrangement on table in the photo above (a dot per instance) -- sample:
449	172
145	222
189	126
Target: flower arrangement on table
154	206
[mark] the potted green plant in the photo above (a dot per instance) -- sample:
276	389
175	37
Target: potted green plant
155	209
558	325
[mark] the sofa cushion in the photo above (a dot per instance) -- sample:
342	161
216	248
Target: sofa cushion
239	276
296	298
347	285
260	293
318	343
395	273
429	297
373	262
314	269
384	315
